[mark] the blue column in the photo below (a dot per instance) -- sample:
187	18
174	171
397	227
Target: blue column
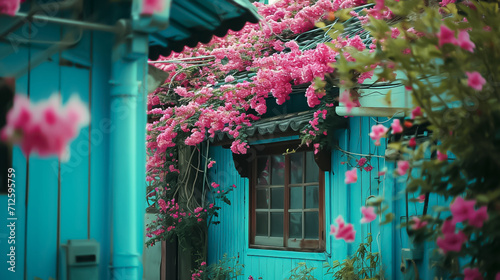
126	258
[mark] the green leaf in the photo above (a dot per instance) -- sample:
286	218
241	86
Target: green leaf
224	61
388	218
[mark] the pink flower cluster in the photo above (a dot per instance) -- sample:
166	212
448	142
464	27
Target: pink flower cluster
368	214
10	7
343	231
378	131
462	211
447	36
47	127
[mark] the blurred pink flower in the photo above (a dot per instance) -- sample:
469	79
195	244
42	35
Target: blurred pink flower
412	143
417	112
475	80
462	210
421	198
417	223
442	156
378	131
210	164
403	167
368	214
368	168
396	126
450	241
477	218
446	36
345	97
215	185
46	127
9	7
343	231
351	176
152	6
362	161
464	41
472	274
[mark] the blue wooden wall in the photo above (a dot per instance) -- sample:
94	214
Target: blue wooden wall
231	235
57	201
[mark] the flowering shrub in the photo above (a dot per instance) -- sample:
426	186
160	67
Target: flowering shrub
448	57
225	269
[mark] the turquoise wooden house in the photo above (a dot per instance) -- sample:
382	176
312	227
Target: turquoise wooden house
287	198
99	51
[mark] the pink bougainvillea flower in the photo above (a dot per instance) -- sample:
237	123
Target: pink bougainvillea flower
462	210
344	231
464	41
211	164
47	127
475	80
446	36
152	6
441	156
362	161
351	176
417	223
497	277
412	143
345	97
417	112
215	185
472	274
9	7
368	214
229	79
368	168
378	131
451	242
333	229
396	126
421	198
477	218
403	167
446	2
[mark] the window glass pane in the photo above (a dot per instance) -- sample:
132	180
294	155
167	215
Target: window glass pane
295	197
278	170
263	170
312	196
262	199
312	225
295	225
261	222
277	198
312	169
296	168
277	224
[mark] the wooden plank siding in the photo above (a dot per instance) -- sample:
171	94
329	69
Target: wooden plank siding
61	200
231	235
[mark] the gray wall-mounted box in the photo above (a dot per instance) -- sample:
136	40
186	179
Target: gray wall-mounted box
82	259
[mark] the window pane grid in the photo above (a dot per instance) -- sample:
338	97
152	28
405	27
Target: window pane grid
302	219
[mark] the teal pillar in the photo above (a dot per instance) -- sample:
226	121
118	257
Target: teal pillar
125	167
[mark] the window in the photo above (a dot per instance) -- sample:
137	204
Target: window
287	201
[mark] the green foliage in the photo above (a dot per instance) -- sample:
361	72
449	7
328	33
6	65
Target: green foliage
225	269
302	272
363	264
465	121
